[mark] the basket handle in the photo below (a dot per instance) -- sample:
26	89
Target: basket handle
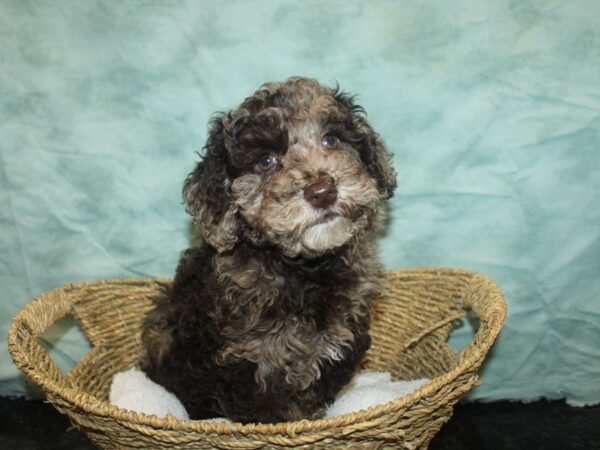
25	329
485	298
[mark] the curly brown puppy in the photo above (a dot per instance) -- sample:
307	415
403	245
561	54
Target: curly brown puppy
269	319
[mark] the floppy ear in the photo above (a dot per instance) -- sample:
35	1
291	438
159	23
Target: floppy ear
376	157
372	150
207	193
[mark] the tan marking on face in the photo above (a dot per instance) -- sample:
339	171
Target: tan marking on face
277	208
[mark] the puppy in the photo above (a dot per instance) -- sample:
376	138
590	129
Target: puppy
268	319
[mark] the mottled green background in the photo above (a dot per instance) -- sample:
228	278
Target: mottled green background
491	108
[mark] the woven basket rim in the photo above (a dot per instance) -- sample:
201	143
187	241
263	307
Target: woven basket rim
364	418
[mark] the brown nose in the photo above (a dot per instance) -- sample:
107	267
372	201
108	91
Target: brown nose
322	193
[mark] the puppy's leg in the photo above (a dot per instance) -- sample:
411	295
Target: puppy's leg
243	400
180	339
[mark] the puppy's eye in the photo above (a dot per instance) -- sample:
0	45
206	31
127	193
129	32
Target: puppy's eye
267	161
330	141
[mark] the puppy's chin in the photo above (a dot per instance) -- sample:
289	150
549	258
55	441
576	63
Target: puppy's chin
326	236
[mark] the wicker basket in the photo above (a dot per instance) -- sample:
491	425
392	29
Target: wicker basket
410	326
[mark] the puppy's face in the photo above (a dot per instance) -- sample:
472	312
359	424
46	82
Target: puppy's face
296	166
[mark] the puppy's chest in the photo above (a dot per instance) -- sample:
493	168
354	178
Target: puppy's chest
252	300
285	324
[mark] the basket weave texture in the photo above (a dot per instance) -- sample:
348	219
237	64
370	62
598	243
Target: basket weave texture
410	326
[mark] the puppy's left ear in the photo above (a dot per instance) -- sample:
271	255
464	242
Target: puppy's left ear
376	157
207	192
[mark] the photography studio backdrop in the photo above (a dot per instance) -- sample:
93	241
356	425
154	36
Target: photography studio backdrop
491	109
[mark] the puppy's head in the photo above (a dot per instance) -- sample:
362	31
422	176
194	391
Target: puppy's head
296	166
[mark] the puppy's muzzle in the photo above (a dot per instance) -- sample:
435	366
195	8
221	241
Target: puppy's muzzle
322	193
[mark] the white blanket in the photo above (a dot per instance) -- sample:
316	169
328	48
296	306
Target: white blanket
133	390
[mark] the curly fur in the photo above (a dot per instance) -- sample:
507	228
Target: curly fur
269	319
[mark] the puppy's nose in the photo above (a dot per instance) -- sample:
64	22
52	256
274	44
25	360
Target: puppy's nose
322	193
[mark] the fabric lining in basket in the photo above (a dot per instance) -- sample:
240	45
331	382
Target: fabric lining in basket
410	326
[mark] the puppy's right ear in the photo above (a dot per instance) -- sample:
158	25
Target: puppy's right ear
207	192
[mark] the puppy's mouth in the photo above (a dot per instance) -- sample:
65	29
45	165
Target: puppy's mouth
332	214
327	217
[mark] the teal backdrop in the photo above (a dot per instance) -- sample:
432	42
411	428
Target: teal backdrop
492	109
